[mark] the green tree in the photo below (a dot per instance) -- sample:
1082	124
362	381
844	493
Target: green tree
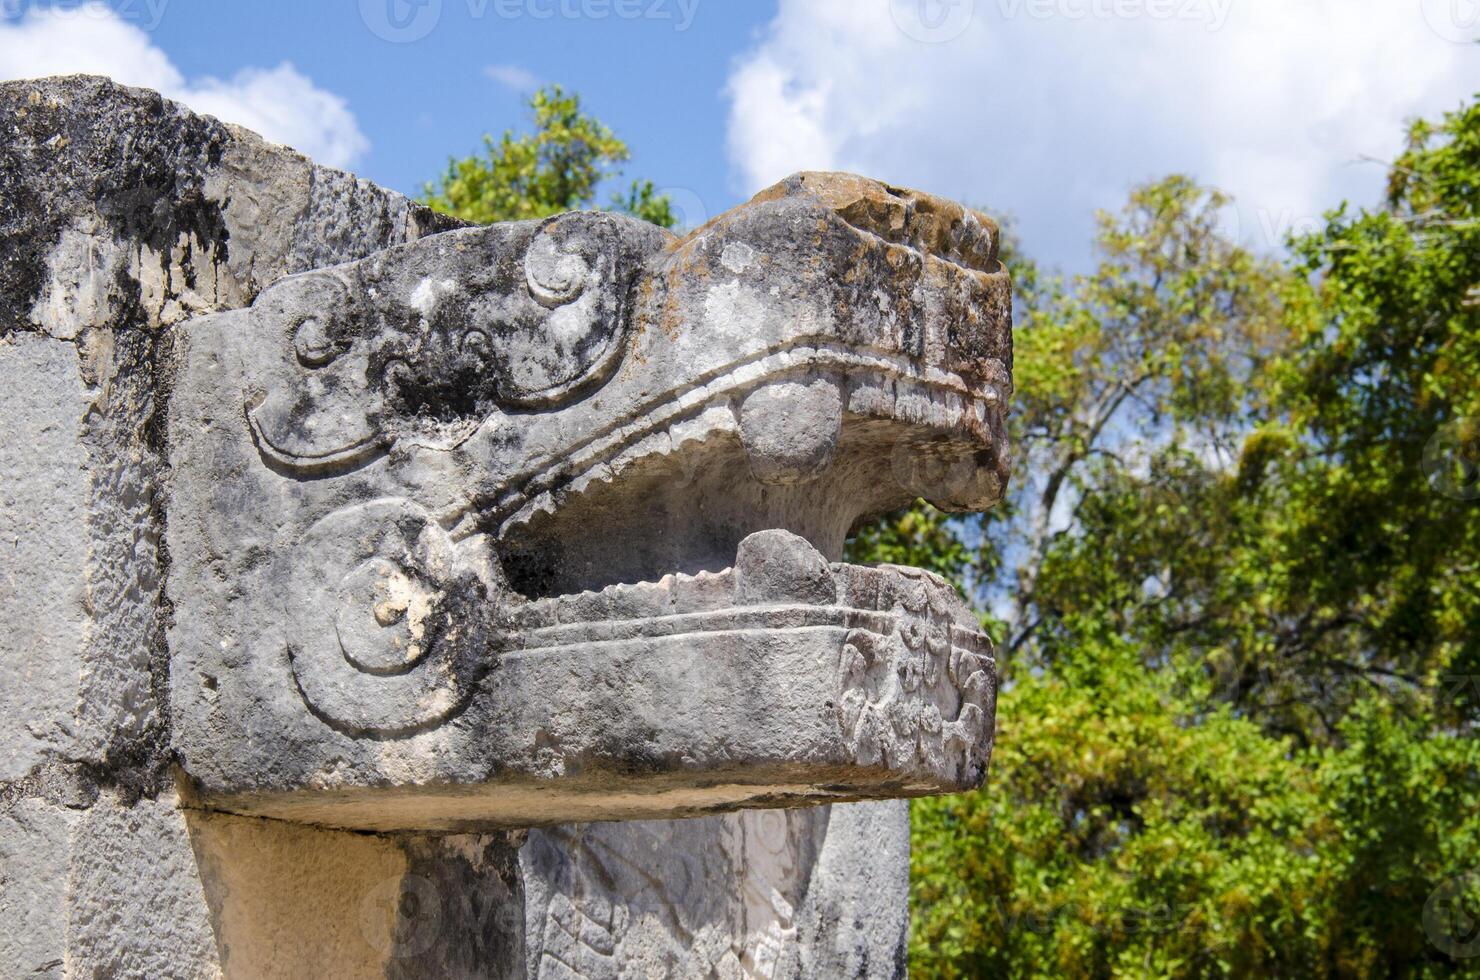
1379	551
559	167
1237	718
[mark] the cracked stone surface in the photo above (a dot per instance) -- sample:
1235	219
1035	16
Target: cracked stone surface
349	542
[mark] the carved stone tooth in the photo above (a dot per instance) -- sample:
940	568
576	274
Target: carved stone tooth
910	671
790	429
903	715
972	721
942	598
933	666
706	590
964	664
977	686
777	566
931	751
937	640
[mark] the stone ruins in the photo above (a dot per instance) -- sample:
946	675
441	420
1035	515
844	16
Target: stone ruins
389	597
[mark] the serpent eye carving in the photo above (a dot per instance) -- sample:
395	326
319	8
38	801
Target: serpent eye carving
313	343
555	277
387	618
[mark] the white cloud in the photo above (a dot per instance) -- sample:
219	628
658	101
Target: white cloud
283	105
1048	109
512	77
280	103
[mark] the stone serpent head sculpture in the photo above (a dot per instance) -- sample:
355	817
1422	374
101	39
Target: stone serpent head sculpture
565	449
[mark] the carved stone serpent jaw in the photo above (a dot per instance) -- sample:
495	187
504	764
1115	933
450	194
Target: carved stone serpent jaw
585	458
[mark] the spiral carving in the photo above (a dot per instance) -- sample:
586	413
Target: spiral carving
387	619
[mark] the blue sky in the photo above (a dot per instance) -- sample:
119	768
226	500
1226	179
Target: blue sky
1043	110
658	86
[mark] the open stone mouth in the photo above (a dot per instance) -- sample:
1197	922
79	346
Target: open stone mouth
710	533
698	548
813	440
722	517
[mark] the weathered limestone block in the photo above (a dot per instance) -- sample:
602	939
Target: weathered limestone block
44	499
540	521
297	901
122	921
35	855
121	213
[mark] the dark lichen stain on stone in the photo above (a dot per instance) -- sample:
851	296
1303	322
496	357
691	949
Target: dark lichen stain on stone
78	144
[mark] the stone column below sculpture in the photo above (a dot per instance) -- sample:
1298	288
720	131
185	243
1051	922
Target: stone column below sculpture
783	893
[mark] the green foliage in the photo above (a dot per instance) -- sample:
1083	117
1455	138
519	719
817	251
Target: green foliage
1118	838
558	167
1242	664
1385	359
